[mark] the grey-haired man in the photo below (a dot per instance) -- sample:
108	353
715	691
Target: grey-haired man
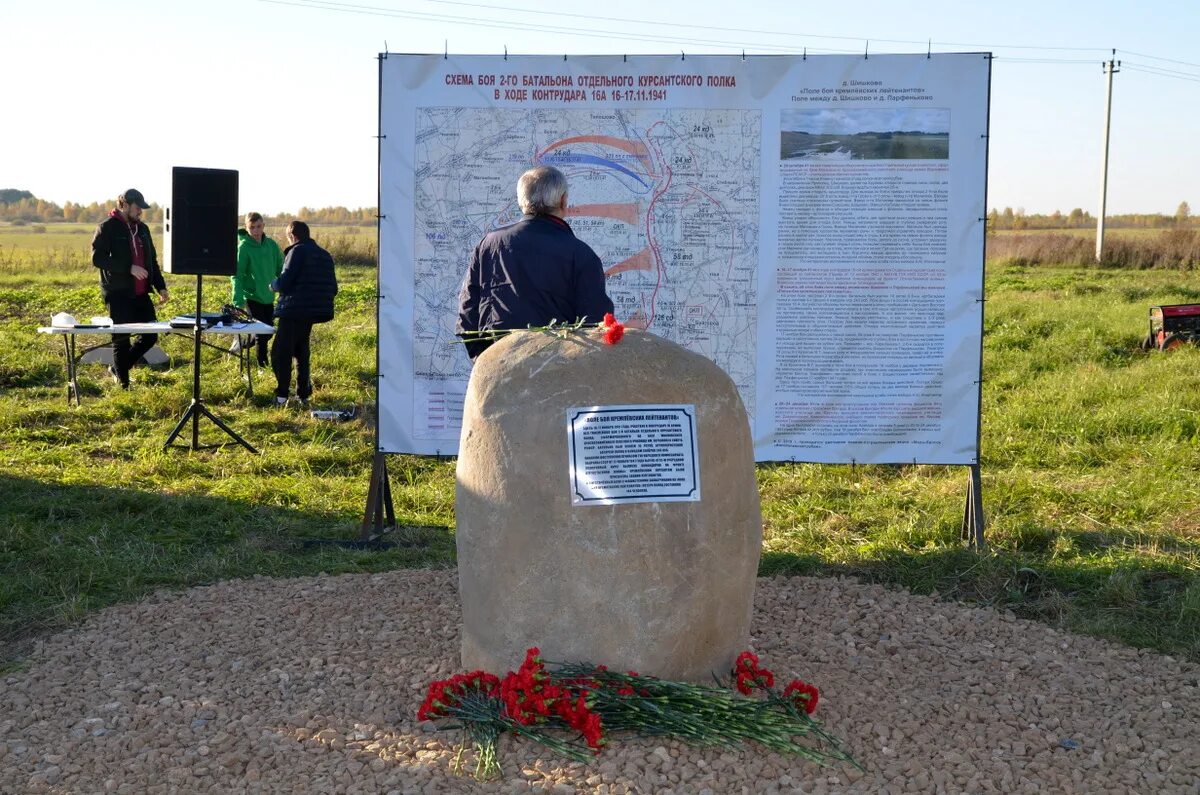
534	271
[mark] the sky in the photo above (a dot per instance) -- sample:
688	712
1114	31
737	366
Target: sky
98	97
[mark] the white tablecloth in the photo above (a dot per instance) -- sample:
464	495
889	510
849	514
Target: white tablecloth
158	328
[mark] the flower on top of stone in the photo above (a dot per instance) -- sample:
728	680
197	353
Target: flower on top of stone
613	331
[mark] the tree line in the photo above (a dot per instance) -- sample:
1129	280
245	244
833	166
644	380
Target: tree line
1008	219
22	207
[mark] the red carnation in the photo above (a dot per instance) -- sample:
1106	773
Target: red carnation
446	694
613	331
746	661
803	695
613	334
593	731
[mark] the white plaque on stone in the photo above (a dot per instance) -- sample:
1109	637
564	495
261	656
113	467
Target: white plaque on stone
633	453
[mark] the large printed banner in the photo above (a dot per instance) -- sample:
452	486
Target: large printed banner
813	225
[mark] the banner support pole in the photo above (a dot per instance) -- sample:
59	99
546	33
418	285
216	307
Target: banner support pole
380	514
973	522
972	530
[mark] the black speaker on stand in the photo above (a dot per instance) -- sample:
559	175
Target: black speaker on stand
200	238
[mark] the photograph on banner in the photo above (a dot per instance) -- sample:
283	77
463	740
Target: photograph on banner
865	134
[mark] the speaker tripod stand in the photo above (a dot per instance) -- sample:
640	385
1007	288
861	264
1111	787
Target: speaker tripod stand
197	408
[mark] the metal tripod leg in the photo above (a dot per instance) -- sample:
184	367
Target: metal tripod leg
193	413
197	408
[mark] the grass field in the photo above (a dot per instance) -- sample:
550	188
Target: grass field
1088	232
1090	454
64	248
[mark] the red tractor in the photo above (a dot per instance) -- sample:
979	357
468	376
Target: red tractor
1171	325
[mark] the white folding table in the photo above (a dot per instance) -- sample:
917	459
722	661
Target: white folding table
69	333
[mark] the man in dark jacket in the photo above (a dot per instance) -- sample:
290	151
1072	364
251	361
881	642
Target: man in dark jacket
124	252
534	271
306	287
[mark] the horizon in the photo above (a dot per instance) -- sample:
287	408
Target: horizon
1017	209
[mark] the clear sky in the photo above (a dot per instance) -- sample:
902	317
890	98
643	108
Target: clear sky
99	96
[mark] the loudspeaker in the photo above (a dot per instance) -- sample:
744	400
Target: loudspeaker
200	226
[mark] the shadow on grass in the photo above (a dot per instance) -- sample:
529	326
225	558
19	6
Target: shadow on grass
66	550
1143	603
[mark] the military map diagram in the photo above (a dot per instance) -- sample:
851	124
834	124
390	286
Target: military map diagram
668	198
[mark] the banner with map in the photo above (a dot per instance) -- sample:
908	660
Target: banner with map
813	225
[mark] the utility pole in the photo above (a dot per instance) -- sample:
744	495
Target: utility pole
1111	67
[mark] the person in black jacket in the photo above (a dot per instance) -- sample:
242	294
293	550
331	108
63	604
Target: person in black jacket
532	272
306	287
124	252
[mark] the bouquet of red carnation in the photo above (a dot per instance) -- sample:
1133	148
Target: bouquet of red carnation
525	702
592	702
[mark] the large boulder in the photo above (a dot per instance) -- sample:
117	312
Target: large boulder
664	588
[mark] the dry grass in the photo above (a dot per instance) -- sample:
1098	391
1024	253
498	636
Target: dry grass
1170	249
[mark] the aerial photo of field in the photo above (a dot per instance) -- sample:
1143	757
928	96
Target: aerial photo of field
865	134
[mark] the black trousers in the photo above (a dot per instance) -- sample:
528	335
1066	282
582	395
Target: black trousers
292	342
130	309
264	313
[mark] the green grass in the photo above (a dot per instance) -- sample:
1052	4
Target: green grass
1090	451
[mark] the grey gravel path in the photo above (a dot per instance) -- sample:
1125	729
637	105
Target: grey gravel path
310	685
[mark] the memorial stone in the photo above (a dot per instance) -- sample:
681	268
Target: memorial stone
659	580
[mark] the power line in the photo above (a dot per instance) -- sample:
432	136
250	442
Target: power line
1019	46
694	26
382	11
323	5
1160	58
1011	59
544	12
1163	69
1151	71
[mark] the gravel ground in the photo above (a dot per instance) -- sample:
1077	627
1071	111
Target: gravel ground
310	685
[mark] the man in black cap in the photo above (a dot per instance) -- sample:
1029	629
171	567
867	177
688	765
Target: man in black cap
124	252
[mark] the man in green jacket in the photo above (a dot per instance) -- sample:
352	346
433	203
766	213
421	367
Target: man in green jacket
259	262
